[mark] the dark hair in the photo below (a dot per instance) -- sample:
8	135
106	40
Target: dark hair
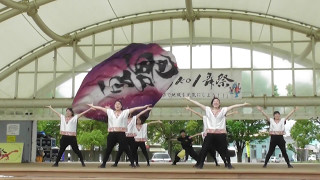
214	99
71	110
276	112
118	100
182	131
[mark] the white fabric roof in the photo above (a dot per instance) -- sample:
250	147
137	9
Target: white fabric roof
20	34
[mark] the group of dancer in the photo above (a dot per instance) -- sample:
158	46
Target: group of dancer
131	133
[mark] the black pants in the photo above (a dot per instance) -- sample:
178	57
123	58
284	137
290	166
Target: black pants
277	140
143	148
65	141
215	141
114	138
189	151
131	143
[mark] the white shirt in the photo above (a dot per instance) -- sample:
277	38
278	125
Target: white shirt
216	124
131	127
70	128
141	135
204	132
277	128
117	124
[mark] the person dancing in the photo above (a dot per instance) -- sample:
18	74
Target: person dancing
216	129
117	126
141	138
130	134
203	134
276	131
186	143
68	130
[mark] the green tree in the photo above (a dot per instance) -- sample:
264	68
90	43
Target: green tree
51	128
289	90
304	132
164	134
92	133
240	131
275	91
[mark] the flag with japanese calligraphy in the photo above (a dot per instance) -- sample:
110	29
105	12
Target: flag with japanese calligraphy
137	75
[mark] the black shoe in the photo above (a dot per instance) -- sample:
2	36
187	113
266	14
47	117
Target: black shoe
137	165
148	164
55	165
102	166
264	166
132	165
199	167
230	166
83	165
290	166
217	165
114	165
225	165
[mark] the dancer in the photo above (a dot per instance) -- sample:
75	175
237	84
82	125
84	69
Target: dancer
216	129
186	143
117	126
276	132
141	138
130	134
203	134
68	130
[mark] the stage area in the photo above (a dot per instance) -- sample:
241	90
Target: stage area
69	171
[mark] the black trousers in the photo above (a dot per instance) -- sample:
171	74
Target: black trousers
131	143
65	141
189	151
143	148
215	141
277	140
114	138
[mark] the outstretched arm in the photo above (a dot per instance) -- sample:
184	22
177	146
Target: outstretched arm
189	109
198	134
196	103
154	122
294	110
144	111
236	106
99	107
84	112
131	110
260	109
53	110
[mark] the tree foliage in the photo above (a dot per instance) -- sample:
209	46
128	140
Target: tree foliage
304	132
240	131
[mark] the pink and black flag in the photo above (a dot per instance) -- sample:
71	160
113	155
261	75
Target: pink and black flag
137	75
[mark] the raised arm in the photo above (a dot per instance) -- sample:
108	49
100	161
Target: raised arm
196	103
154	122
236	106
144	111
84	112
53	110
294	110
260	109
189	109
131	110
99	107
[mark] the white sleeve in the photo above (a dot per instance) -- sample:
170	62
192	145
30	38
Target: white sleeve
224	111
133	121
126	113
208	111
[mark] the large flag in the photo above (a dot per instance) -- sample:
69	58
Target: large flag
137	75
